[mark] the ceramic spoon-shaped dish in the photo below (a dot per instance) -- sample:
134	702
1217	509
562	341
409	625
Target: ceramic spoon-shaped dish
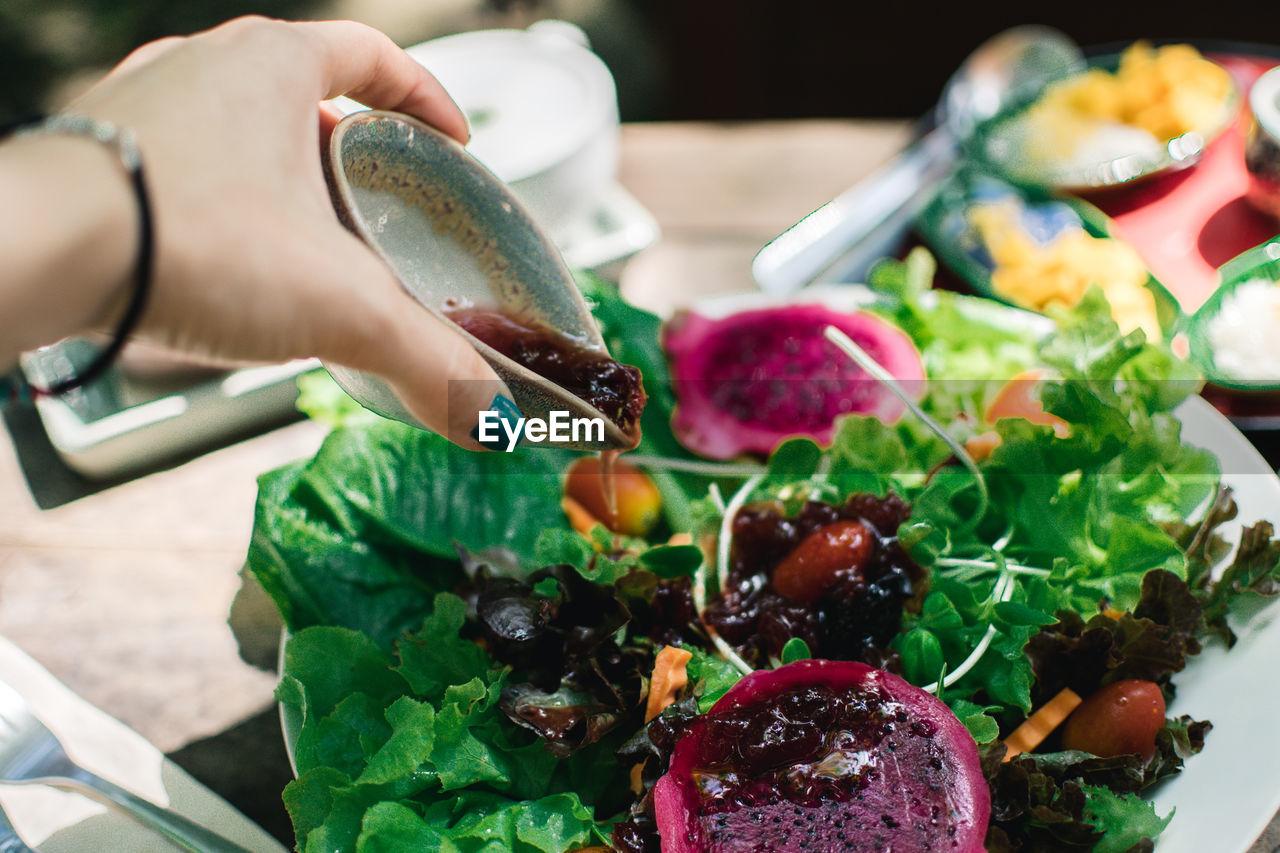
457	238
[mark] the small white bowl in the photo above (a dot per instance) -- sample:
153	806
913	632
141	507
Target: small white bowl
543	110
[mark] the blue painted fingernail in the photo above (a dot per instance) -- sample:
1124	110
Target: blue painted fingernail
499	426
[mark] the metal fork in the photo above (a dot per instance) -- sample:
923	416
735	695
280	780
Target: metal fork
10	841
30	753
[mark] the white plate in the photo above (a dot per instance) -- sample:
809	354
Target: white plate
1225	796
1228	794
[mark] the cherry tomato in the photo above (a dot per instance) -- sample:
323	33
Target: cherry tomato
638	502
811	569
1020	398
1119	719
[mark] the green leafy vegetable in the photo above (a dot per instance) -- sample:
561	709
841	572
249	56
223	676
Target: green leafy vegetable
322	399
367	532
1150	643
977	720
1254	572
1126	820
467	673
1076	801
435	657
794	650
711	678
384	754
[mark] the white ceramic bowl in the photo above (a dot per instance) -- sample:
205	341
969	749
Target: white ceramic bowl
543	110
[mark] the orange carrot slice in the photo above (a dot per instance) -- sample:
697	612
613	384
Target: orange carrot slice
982	445
669	678
579	518
1020	398
637	779
1041	724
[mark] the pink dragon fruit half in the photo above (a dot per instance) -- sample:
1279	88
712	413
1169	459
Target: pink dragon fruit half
823	756
745	382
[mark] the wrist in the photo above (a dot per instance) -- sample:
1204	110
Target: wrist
69	233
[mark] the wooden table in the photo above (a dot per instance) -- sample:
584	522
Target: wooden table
124	594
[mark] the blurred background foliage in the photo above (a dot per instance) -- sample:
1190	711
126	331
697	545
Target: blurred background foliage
48	46
672	59
50	50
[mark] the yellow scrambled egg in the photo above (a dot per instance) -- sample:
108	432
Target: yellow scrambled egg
1057	275
1167	91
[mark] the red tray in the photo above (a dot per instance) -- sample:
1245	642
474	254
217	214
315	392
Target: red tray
1187	224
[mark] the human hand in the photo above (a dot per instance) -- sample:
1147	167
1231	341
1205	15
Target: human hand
251	262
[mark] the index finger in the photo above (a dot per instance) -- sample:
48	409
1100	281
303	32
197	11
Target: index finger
362	62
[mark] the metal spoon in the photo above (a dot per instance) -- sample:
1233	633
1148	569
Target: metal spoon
862	224
456	237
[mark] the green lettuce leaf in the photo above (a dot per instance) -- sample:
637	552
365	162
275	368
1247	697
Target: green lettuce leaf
710	676
391	483
435	656
322	399
1253	573
1126	819
368	531
412	748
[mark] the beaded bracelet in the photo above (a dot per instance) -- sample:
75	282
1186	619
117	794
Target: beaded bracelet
122	142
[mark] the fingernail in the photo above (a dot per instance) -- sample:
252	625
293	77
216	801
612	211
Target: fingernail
498	426
478	410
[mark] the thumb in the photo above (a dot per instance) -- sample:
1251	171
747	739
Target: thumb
443	381
434	370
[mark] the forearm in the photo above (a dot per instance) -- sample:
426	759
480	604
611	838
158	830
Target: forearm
248	260
68	240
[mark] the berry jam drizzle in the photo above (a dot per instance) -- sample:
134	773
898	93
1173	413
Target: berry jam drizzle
823	769
834	576
612	388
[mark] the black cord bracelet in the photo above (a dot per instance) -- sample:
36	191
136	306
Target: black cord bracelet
122	142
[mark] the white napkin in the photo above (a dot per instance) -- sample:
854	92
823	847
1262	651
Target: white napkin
63	822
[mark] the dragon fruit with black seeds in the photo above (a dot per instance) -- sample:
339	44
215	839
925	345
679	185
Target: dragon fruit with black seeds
747	381
824	756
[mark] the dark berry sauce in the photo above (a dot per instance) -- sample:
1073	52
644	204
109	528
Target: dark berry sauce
612	388
808	745
822	769
860	607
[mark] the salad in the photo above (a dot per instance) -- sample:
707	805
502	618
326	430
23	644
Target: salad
994	589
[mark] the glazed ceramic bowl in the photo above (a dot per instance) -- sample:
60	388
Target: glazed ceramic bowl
1109	161
457	238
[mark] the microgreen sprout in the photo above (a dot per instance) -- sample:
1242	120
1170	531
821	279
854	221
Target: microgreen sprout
726	651
716	497
984	566
726	529
722	553
726	470
877	372
1002	591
